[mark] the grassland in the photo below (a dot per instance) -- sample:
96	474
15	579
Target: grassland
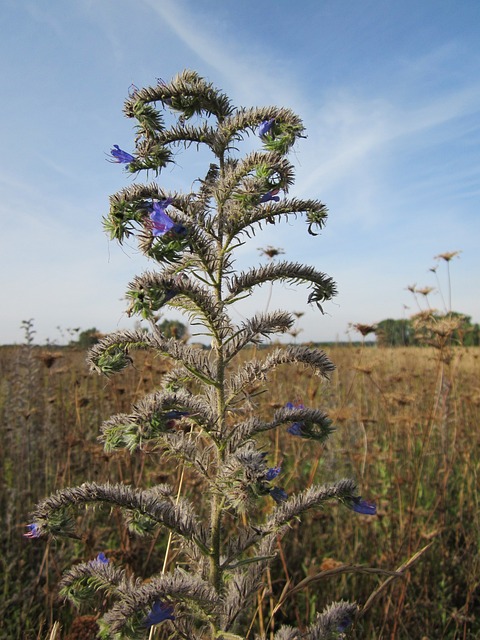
406	429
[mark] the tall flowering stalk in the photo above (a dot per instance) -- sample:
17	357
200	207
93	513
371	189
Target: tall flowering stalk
201	413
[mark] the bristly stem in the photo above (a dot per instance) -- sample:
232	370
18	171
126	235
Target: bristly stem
218	350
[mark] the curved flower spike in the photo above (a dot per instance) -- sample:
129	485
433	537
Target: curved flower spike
265	127
121	156
160	612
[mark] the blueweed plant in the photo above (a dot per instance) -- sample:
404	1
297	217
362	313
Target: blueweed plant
203	412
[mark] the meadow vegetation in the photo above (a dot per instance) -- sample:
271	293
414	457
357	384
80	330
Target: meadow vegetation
406	428
171	523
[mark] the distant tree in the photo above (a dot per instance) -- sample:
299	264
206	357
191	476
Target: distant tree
422	328
394	333
174	329
87	338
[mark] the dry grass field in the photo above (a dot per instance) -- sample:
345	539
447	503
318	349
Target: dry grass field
406	429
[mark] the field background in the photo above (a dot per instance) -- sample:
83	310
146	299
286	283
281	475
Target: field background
407	429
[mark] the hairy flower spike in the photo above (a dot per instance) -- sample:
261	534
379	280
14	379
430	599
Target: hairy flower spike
202	413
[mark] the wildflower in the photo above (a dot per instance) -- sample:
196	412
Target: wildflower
34	531
174	414
270	195
448	255
278	494
121	156
272	473
159	613
344	624
168	294
100	559
295	429
132	91
290	405
162	223
363	506
179	230
265	127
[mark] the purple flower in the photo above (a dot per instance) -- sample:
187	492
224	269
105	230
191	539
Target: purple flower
175	415
271	195
132	91
290	405
121	156
363	506
344	624
296	429
168	294
159	613
265	127
272	473
34	531
162	223
179	230
100	559
278	494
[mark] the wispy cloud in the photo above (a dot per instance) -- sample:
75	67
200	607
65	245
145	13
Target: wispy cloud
240	70
350	133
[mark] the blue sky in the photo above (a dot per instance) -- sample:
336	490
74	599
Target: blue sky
389	93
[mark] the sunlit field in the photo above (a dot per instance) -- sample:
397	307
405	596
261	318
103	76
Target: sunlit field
406	429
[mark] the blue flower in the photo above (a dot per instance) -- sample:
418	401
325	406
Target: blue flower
162	223
272	473
175	415
290	405
278	494
295	429
179	230
121	156
344	624
363	506
132	91
271	195
34	531
101	559
265	127
159	613
168	294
